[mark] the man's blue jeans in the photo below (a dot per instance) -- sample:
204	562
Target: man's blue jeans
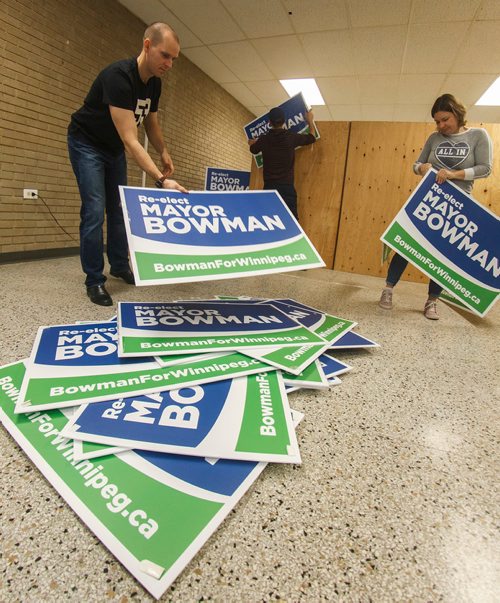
98	174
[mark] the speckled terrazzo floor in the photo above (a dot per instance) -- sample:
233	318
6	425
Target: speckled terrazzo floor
397	496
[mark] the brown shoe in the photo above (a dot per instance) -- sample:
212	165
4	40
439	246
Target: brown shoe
430	310
386	299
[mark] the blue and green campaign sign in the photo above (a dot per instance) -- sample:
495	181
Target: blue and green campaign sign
71	364
329	328
177	238
453	301
153	511
312	377
353	340
194	327
89	450
453	239
332	367
325	325
295	110
244	419
222	179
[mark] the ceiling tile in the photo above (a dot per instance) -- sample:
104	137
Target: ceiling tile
490	9
210	21
419	89
480	53
444	11
414	113
378	89
258	110
468	88
377	112
381	12
345	112
242	94
339	90
424	47
242	59
319	15
329	53
433	46
149	13
379	50
321	113
152	11
259	18
487	115
205	59
271	93
284	56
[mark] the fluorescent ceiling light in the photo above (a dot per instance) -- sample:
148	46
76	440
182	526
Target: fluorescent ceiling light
308	87
492	96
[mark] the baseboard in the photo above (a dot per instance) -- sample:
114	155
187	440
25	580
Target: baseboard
37	254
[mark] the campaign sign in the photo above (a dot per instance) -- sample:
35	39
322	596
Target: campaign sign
152	511
332	367
295	110
312	377
90	450
71	364
177	238
453	239
328	327
325	325
192	327
353	340
243	419
453	301
293	360
221	179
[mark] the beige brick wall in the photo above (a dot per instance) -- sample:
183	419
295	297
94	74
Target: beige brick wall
51	50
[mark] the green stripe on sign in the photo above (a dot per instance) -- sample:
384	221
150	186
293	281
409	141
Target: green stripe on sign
170	266
152	520
263	429
406	246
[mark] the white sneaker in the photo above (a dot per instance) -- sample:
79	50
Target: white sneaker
386	299
430	310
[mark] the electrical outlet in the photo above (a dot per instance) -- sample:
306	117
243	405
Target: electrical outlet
30	193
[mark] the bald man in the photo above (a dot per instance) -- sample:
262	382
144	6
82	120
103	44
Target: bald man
123	96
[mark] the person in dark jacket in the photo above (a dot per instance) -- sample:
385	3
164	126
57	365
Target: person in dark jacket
278	153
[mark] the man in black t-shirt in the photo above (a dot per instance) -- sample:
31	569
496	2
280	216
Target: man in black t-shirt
278	153
123	96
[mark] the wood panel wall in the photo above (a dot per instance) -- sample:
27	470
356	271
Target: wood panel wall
354	180
378	180
319	176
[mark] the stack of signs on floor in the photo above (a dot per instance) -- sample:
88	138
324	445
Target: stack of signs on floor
154	426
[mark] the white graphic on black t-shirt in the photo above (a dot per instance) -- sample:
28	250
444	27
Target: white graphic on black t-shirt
141	110
452	154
